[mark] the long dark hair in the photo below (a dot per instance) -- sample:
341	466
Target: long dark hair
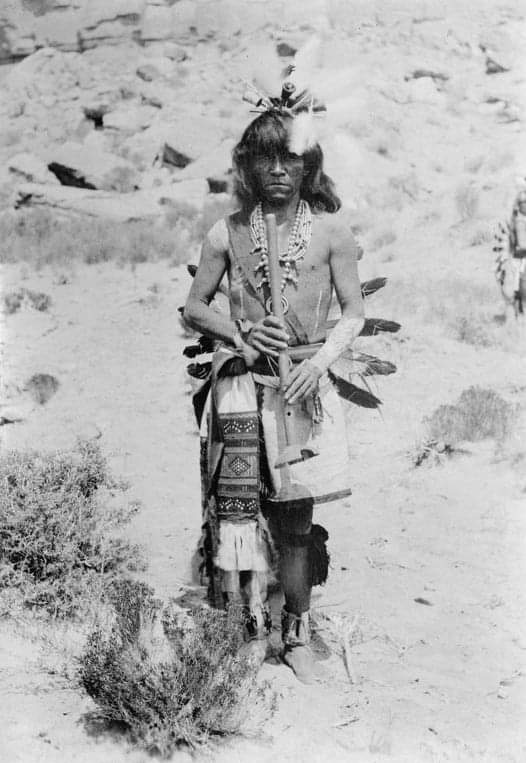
267	135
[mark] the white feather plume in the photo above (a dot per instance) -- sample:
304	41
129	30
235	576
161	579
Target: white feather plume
303	134
265	70
307	64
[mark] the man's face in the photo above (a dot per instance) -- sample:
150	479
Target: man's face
279	177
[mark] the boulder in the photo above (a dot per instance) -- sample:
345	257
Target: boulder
88	166
110	21
121	207
148	72
174	144
59	30
156	24
30	169
16	40
130	117
127	207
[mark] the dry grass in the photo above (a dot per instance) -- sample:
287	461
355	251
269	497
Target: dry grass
39	237
171	677
459	309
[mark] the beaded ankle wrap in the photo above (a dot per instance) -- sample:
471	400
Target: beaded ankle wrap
257	624
295	630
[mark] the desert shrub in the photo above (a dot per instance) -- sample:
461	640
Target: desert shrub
169	676
13	300
42	387
466	201
478	414
468	329
481	236
58	542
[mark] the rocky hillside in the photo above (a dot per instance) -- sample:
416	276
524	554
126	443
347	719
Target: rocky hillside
139	103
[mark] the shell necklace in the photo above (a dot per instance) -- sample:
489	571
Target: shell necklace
299	240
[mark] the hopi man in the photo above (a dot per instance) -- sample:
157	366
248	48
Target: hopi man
240	418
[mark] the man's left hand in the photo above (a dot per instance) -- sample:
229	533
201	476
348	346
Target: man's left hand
302	382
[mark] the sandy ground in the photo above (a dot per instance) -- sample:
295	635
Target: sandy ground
443	681
427	173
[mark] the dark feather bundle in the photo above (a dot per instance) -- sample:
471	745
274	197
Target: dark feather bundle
369	287
318	555
199	370
354	394
373	326
204	344
373	365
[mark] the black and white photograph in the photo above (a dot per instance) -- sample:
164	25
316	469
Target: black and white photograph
263	381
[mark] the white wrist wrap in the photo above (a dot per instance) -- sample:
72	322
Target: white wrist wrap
339	340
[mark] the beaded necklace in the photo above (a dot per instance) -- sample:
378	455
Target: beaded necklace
299	240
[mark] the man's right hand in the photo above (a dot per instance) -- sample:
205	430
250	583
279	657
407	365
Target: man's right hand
268	336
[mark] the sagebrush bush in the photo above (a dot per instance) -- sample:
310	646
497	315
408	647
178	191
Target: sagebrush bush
58	544
172	677
478	413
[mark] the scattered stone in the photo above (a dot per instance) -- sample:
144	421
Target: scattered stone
110	22
13	414
130	118
418	73
218	185
420	600
96	115
172	158
121	207
492	67
285	50
148	72
29	168
42	387
90	167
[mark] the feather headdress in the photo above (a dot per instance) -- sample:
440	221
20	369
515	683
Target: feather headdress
298	96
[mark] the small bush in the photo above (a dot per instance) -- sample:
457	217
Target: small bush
482	236
479	413
469	330
171	677
37	299
58	546
42	387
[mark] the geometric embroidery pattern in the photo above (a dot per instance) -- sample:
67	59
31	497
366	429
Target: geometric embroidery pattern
237	491
239	466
